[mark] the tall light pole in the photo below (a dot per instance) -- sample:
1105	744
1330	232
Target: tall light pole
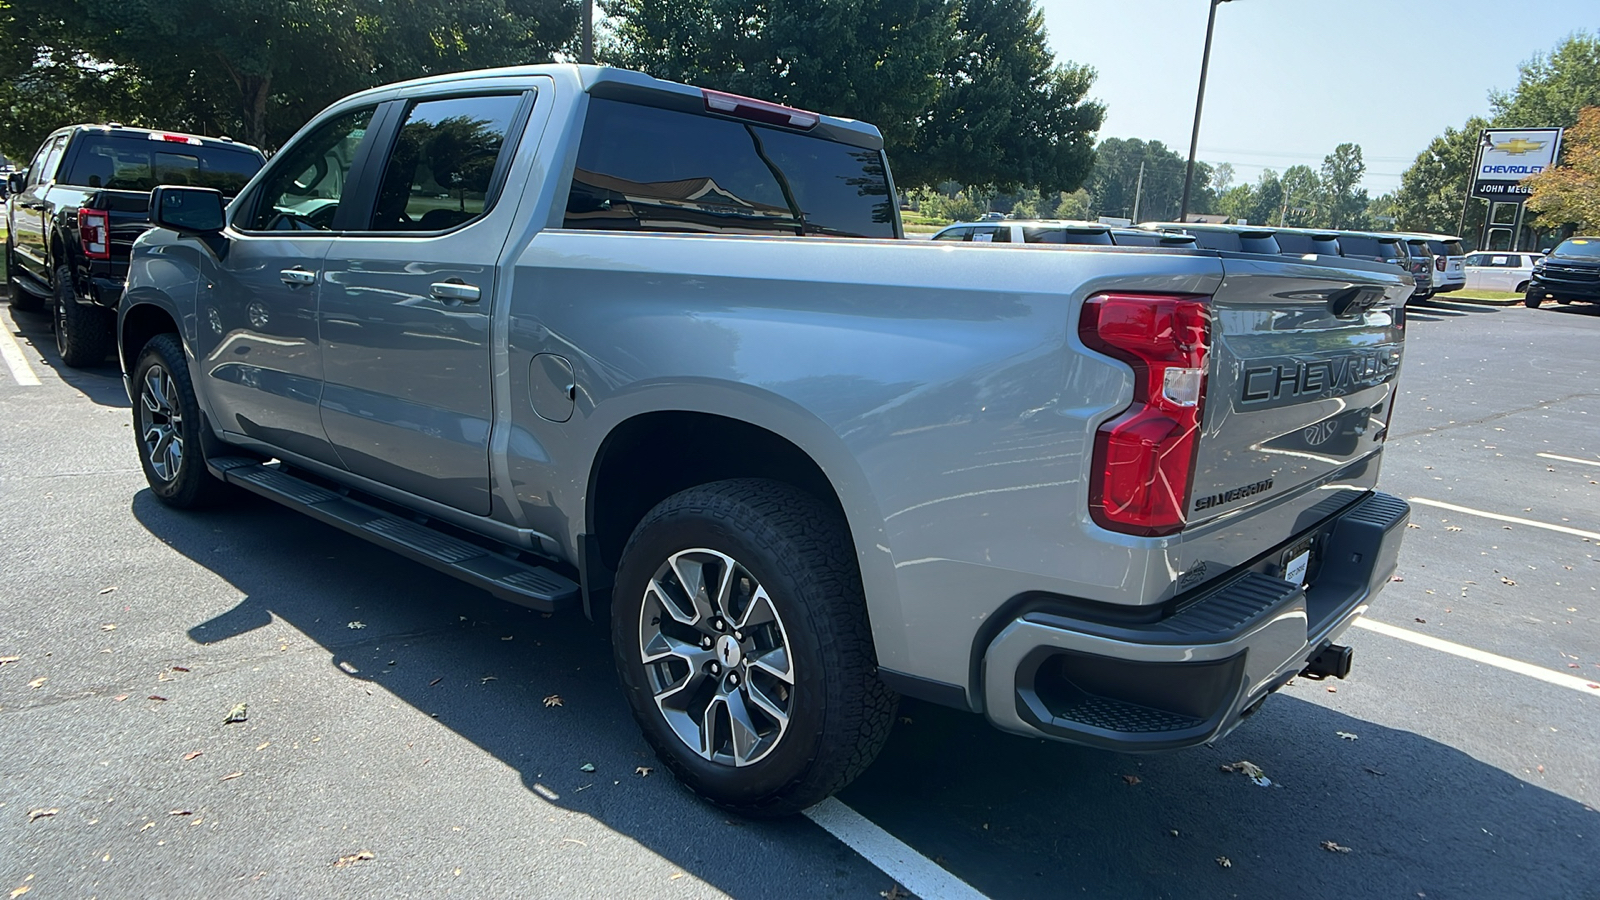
1199	101
588	32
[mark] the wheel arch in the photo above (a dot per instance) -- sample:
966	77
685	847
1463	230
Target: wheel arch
727	437
137	324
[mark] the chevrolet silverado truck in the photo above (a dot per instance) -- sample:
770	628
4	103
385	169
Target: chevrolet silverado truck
77	208
587	339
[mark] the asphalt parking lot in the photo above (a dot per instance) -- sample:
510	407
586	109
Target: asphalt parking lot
407	736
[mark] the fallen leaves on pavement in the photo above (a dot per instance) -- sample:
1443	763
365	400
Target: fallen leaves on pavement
157	697
19	891
553	700
8	659
1250	769
1346	735
239	713
356	625
230	776
586	767
1332	847
1132	779
643	771
1224	862
894	893
181	812
193	754
38	682
42	813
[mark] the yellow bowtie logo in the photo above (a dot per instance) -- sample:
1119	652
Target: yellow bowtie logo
1518	146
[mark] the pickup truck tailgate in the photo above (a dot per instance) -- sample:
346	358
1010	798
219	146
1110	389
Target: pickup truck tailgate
1300	379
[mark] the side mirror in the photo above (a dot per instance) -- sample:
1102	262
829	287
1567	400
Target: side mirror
188	209
17	182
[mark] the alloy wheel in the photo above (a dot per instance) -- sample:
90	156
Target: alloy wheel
717	657
161	422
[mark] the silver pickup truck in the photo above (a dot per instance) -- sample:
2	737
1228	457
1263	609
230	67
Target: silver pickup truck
583	338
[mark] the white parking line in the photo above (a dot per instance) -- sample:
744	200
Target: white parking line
1591	535
915	872
1560	679
1573	459
11	351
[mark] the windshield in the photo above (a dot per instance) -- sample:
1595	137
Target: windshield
1578	248
128	163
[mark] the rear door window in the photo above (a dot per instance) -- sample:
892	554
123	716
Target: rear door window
991	234
128	162
442	169
953	234
646	169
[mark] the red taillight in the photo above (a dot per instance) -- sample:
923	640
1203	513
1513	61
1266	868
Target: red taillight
1438	263
1144	458
759	110
94	232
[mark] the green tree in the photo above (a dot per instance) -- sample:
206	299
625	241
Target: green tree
258	69
1114	180
1343	203
1237	202
1570	192
1266	201
1434	186
961	89
1552	88
1302	192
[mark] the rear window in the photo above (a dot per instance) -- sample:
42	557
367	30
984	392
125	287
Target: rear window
1446	248
646	169
1360	245
128	163
1290	242
1234	241
1036	234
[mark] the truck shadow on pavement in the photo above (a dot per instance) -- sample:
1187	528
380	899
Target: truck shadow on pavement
101	384
1016	818
483	669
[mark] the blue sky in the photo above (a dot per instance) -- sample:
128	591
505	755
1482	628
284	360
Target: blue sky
1291	79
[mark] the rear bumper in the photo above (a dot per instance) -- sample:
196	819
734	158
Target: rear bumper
1193	676
105	292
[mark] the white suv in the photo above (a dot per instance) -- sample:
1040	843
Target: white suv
1503	271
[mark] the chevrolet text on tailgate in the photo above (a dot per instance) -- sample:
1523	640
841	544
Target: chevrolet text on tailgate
584	338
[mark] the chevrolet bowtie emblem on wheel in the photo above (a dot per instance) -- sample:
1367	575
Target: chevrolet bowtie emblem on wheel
1518	146
1320	433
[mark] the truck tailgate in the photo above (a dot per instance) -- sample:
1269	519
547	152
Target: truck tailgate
1300	378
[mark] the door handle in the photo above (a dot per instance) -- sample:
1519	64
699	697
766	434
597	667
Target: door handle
298	276
455	290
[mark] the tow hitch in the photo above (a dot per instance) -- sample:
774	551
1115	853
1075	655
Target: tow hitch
1331	660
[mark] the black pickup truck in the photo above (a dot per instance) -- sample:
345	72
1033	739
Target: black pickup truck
77	208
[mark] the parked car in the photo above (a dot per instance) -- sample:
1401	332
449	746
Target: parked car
1570	272
636	363
1135	237
1026	231
77	208
1449	260
1234	238
1303	241
1390	249
1502	270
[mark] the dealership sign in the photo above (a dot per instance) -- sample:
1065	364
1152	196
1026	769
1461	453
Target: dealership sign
1508	155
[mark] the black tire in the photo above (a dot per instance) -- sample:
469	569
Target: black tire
1521	288
1532	299
22	299
161	384
797	550
83	332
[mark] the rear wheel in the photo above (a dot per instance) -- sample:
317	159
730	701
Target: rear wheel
167	425
21	298
741	639
83	332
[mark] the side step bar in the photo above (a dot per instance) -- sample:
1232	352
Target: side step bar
506	577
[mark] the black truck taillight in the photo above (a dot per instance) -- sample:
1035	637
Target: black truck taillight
1143	466
94	233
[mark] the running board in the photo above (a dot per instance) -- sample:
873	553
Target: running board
506	577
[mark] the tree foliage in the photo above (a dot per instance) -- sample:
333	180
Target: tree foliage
1570	192
1343	203
961	89
1552	88
1434	186
254	69
1114	181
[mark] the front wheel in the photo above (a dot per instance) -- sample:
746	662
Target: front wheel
1532	299
167	424
740	632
